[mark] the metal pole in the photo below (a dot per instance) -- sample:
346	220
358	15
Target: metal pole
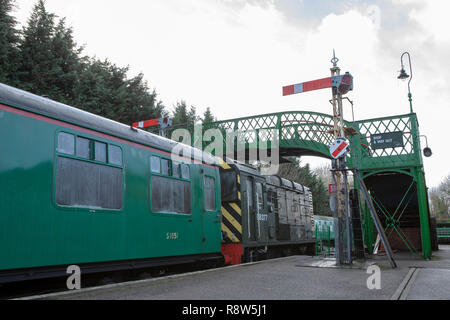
375	218
410	78
341	192
329	240
342	163
423	213
347	215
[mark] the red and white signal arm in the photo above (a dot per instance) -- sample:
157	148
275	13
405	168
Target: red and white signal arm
339	147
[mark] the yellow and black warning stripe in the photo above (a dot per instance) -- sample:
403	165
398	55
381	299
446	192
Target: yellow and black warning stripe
231	212
239	186
223	164
232	217
232	221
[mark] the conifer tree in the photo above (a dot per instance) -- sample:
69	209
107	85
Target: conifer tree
104	89
38	70
52	64
208	117
181	115
9	41
67	62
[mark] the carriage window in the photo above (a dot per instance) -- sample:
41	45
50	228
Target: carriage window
170	195
185	171
156	164
210	194
66	143
81	183
176	169
83	148
165	166
100	151
114	155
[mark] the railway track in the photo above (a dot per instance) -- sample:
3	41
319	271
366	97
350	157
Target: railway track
23	289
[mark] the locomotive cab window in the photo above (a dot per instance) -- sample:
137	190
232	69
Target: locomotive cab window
83	179
228	185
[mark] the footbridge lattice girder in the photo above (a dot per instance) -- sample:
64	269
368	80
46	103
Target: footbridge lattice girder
296	133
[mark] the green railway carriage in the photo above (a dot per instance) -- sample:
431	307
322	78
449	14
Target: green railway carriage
324	227
76	188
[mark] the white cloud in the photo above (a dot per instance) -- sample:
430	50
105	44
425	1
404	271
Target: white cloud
235	56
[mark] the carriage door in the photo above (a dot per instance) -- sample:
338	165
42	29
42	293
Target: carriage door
211	213
250	206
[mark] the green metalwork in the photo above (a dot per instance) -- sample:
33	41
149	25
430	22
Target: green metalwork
406	159
310	133
297	133
365	158
424	215
392	222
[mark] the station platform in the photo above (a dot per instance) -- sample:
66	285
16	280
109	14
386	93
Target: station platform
290	278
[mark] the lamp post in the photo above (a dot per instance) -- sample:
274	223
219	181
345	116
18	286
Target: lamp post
403	76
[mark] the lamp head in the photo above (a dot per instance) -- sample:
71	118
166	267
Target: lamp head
403	75
427	152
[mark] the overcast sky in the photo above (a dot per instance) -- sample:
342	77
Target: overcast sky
234	56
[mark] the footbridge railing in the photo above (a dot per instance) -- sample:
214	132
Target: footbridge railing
296	133
387	142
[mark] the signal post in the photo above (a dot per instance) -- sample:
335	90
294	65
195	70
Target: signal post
340	85
338	150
